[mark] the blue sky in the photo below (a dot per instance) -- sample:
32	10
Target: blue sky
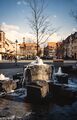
13	14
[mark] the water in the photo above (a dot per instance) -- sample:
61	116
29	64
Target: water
38	61
15	106
2	77
59	71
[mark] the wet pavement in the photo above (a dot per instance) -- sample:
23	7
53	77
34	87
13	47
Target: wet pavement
10	72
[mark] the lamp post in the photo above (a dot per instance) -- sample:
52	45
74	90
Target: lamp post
23	46
16	52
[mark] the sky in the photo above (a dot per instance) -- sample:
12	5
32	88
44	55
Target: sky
14	14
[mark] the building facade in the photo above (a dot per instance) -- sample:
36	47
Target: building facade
50	50
2	44
70	46
7	47
28	49
59	50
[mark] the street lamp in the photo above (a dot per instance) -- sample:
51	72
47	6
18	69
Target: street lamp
23	45
16	52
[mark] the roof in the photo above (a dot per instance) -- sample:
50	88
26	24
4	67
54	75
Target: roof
71	37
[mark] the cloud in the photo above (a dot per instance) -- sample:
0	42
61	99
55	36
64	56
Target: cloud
21	2
18	2
12	32
9	27
55	37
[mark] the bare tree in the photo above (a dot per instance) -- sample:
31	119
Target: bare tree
39	22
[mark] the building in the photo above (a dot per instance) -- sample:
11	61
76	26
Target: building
50	50
2	44
59	50
28	49
70	46
74	45
7	47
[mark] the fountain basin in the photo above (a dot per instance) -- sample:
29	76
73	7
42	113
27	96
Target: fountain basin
63	79
36	75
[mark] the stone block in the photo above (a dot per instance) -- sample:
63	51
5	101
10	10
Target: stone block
7	85
39	90
38	72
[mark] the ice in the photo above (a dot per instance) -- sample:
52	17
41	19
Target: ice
2	77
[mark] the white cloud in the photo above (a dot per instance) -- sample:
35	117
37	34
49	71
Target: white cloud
9	27
12	32
21	2
18	2
55	37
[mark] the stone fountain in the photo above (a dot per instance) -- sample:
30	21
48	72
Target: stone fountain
6	84
61	77
36	75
